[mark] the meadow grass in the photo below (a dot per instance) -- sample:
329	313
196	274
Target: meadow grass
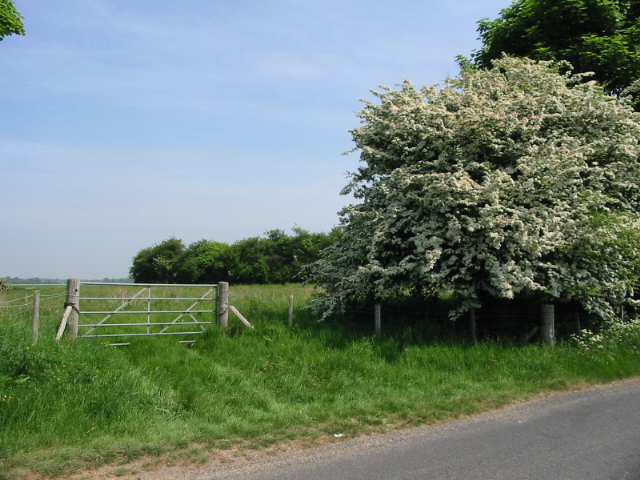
69	406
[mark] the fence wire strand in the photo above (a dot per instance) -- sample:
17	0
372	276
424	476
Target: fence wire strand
16	314
4	302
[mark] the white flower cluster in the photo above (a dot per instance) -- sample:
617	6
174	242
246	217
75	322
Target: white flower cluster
614	334
514	180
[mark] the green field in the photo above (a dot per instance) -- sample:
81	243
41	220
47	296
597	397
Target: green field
67	406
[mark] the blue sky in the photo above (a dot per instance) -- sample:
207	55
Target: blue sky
124	123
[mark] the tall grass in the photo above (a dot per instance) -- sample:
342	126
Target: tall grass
66	406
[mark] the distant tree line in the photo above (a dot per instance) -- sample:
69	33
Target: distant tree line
33	280
46	281
276	258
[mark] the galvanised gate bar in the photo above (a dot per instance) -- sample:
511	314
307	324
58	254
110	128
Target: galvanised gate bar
138	309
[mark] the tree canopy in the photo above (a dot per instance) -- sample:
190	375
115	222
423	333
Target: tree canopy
275	259
157	264
600	36
10	20
508	182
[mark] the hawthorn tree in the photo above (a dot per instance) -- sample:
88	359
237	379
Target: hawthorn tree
600	36
511	182
10	20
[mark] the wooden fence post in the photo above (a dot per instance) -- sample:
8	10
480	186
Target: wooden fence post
290	310
378	318
36	315
73	301
223	304
472	315
548	322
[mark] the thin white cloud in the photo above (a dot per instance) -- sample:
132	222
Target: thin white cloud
129	122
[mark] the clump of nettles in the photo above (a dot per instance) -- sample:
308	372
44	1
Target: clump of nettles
613	334
5	285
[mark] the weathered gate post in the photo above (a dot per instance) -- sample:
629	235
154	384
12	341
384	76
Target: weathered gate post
73	301
223	304
548	325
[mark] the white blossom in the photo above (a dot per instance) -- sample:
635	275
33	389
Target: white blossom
516	180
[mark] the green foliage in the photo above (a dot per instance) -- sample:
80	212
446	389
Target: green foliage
276	259
516	181
5	284
616	335
248	262
10	20
204	262
158	264
598	36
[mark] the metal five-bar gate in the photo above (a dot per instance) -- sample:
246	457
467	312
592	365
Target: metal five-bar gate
98	309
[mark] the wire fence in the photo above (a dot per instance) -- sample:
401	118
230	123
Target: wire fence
513	321
519	322
279	303
17	310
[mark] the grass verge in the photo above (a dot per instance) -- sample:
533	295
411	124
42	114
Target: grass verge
65	407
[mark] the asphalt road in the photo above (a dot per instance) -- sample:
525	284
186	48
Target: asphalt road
589	434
